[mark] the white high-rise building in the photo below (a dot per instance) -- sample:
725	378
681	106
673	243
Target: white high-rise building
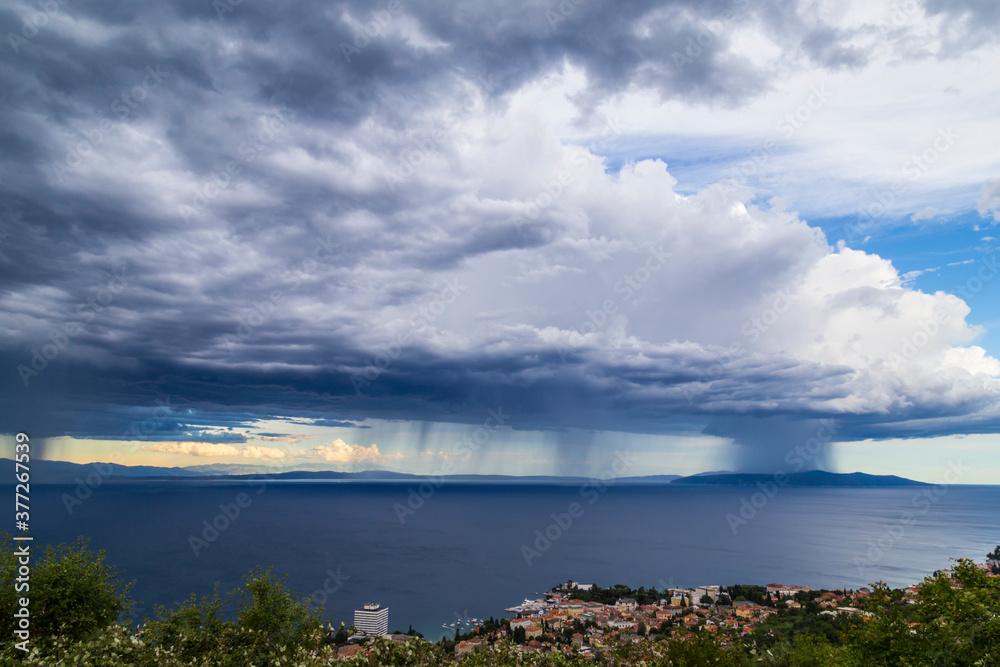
373	619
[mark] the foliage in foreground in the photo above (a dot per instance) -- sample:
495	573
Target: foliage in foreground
78	605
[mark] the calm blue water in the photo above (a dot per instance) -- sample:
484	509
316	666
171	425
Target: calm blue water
460	555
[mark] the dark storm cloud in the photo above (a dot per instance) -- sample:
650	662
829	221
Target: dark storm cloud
967	23
587	390
173	227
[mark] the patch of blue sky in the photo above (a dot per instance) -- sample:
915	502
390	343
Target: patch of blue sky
695	162
953	253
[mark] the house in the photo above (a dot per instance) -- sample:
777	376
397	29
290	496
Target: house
852	610
744	609
711	591
786	591
582	587
679	595
626	604
466	647
669	611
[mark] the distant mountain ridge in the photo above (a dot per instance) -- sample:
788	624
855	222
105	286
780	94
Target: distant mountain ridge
43	472
811	478
64	472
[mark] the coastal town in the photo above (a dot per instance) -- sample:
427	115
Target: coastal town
569	619
583	619
540	623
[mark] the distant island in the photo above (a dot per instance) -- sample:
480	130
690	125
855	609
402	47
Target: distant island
64	472
807	478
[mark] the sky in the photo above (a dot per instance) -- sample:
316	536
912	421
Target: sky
503	237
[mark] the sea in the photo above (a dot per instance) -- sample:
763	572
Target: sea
439	556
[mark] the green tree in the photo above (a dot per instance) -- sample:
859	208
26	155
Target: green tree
194	628
73	593
951	622
700	650
803	651
273	617
256	623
